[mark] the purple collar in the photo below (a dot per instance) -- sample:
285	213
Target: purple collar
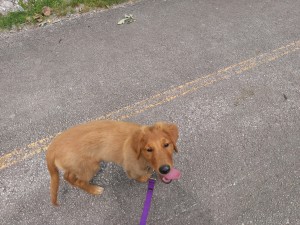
147	203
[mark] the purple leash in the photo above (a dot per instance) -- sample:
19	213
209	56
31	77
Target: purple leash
147	202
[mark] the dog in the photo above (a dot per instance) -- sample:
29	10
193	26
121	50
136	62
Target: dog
139	149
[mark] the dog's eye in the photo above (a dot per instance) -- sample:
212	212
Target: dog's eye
149	150
166	145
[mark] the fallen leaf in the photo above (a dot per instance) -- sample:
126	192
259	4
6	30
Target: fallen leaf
28	19
36	16
128	19
122	21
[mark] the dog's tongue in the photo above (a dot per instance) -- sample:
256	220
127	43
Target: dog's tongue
174	174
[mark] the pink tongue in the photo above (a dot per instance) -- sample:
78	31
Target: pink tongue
174	174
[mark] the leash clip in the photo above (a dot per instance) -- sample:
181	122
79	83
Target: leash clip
153	175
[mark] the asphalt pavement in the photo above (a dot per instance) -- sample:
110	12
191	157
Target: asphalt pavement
227	72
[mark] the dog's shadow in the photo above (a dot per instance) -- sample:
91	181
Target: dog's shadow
171	203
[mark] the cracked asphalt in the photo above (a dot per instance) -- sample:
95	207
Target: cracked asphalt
239	146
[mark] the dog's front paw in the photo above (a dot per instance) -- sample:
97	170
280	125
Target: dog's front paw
144	178
96	190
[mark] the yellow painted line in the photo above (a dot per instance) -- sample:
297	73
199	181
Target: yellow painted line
29	151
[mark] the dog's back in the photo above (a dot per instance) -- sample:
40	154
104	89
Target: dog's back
91	140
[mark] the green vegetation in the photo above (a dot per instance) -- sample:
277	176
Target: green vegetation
33	10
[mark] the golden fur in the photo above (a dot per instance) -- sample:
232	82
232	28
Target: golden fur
79	150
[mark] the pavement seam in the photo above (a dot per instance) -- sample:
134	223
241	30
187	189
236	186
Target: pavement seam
20	154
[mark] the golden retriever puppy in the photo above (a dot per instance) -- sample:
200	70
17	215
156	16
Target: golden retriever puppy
138	149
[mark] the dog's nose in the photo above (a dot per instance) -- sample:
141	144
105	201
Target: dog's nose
164	169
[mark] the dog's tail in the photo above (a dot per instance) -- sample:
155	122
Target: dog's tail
54	179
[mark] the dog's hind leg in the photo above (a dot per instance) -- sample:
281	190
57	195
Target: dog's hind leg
90	188
70	177
82	179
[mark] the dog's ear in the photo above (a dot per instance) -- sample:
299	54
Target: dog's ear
171	129
138	142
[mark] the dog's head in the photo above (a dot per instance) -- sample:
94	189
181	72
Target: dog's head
156	144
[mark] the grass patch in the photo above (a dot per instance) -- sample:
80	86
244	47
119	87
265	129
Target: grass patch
33	10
